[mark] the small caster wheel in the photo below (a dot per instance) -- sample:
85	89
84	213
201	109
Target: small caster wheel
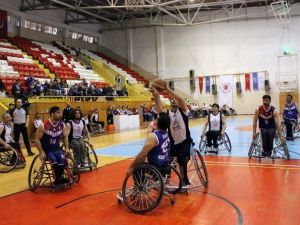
205	152
172	202
119	201
217	152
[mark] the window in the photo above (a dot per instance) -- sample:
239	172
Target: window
33	26
54	31
74	35
39	27
85	38
90	39
27	24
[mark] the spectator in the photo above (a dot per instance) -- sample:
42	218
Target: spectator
87	122
11	107
95	120
2	87
38	88
118	82
67	113
16	89
46	88
57	88
36	123
29	80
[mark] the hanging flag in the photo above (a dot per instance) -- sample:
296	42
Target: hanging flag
261	81
255	81
207	84
247	82
201	84
225	90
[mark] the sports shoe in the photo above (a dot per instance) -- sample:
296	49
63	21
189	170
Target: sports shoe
31	153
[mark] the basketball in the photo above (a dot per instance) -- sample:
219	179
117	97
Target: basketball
160	84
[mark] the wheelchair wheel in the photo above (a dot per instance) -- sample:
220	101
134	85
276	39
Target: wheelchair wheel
200	167
281	148
227	143
173	182
9	159
142	191
36	172
91	155
72	170
202	144
253	150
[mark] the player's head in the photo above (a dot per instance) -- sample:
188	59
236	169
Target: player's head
155	116
174	105
76	114
55	113
6	118
11	105
18	103
215	108
266	100
289	98
38	116
163	121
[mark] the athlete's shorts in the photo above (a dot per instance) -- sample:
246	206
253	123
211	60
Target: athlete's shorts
181	151
57	157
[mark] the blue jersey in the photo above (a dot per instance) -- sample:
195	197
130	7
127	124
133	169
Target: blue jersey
266	118
290	112
52	135
160	154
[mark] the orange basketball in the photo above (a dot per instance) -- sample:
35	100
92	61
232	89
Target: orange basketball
160	84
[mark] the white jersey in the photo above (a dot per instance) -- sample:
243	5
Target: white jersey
76	129
178	127
6	133
215	122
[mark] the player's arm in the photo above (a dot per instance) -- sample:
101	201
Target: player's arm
27	117
66	132
150	143
254	126
86	130
223	125
297	108
277	124
157	100
180	101
204	128
37	140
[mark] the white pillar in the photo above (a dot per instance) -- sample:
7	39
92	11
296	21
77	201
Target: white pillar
129	47
66	35
160	56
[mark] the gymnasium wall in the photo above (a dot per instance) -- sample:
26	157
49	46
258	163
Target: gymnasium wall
238	46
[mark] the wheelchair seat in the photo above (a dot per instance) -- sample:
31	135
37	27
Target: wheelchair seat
224	144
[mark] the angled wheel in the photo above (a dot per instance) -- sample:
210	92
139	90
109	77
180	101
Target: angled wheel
173	182
35	175
227	142
142	191
8	159
72	169
200	168
202	144
253	150
91	156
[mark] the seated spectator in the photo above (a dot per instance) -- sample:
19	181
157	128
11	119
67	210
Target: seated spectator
29	80
153	110
85	118
95	121
147	115
16	89
57	88
38	88
225	110
32	90
46	88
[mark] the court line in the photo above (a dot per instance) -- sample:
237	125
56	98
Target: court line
254	164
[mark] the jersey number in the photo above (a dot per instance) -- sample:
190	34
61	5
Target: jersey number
165	146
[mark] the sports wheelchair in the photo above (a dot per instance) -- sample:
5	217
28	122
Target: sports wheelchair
11	159
280	149
91	159
143	190
42	175
224	144
296	128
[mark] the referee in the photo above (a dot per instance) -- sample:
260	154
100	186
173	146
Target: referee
21	119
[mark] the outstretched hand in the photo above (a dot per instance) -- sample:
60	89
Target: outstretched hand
154	91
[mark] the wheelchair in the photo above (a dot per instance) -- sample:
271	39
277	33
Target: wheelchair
224	144
296	128
11	159
91	159
41	174
143	190
280	149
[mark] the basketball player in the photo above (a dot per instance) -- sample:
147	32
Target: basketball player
179	132
268	123
77	127
47	141
290	116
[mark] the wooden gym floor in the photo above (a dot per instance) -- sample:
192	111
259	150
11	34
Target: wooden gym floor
241	191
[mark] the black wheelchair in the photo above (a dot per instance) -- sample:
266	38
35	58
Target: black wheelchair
143	190
296	128
280	149
91	159
41	174
11	159
224	144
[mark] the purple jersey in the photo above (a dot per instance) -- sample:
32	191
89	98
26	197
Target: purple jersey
52	134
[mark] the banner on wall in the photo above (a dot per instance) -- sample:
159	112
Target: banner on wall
261	81
3	24
207	84
201	84
225	90
247	82
255	81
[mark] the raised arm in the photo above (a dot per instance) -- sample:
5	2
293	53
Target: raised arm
37	140
254	126
150	143
157	100
180	101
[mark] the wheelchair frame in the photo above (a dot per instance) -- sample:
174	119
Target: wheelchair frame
143	190
279	151
42	176
5	159
296	129
224	144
